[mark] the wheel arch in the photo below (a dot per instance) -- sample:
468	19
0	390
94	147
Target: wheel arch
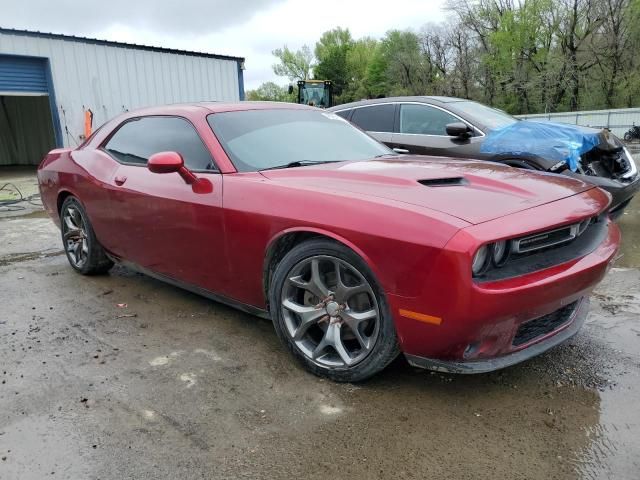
62	196
281	243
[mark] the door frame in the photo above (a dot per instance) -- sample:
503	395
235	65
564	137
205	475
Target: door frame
55	117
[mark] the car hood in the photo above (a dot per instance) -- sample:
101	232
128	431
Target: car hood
473	191
608	141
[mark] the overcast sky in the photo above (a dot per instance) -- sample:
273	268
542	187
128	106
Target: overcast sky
244	28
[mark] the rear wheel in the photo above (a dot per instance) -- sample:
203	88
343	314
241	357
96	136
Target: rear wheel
84	252
330	312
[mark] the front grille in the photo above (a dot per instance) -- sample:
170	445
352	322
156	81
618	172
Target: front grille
551	238
590	235
538	327
544	239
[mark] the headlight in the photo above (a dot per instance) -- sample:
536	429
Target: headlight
491	255
500	252
632	164
480	260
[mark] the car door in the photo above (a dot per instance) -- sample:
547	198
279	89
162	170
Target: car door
165	226
377	120
422	131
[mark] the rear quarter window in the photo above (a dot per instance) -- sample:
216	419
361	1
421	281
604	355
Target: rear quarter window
377	118
344	114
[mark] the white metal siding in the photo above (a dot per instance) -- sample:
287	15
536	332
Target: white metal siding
617	120
111	79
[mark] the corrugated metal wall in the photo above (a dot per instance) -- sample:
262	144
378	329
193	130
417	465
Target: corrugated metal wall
617	120
110	79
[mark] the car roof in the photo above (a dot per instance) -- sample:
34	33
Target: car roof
213	107
432	99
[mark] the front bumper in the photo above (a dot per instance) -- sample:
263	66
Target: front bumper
491	364
466	324
621	192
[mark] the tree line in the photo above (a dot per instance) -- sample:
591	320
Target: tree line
523	56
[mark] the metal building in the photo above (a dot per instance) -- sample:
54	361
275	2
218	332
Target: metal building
54	88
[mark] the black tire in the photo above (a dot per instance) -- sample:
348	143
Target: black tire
628	137
89	258
385	348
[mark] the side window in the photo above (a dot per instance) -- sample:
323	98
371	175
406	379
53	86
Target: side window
378	118
425	120
344	114
136	140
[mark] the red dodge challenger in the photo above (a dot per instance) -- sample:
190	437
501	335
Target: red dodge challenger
355	253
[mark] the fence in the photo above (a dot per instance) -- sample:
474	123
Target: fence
618	120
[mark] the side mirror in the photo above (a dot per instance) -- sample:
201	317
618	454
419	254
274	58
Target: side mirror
290	89
165	162
458	129
169	162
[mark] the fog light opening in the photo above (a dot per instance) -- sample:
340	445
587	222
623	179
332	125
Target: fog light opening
471	350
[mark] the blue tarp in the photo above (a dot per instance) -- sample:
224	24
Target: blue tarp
553	141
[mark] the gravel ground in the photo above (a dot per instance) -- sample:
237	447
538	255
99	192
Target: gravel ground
176	386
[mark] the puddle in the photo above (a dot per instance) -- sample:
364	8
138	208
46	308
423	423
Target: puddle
614	451
630	225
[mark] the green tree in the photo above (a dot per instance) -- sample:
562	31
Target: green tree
331	51
270	91
519	54
295	65
525	56
400	50
376	80
630	83
359	58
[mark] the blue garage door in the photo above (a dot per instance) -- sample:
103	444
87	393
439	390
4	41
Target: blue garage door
23	74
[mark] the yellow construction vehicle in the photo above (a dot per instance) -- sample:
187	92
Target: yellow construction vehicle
317	93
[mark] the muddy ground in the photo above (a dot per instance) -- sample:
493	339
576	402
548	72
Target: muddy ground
177	386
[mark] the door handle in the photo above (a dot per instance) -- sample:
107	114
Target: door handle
120	179
400	150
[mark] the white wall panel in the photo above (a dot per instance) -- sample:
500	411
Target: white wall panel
109	79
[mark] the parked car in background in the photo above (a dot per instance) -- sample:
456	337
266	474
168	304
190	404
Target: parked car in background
632	134
454	127
355	253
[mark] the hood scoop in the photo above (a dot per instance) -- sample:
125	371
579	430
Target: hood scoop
444	182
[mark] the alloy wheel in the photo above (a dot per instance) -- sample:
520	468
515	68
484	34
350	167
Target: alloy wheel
75	236
330	311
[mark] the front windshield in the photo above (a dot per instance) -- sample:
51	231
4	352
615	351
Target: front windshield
315	94
261	139
489	117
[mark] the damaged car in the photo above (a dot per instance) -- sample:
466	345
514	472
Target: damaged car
455	127
356	254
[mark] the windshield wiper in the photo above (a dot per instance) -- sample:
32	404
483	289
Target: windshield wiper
298	163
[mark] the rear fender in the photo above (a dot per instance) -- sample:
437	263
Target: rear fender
49	181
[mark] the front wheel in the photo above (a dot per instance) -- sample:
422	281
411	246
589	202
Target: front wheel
84	252
628	137
330	312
